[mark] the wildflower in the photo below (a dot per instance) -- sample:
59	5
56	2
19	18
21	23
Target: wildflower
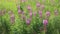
23	12
29	7
40	13
38	4
19	11
45	22
28	21
47	13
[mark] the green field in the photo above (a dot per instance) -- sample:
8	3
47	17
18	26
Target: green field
20	27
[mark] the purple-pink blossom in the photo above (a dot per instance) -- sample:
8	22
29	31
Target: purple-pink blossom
19	11
38	4
40	13
28	21
48	13
29	7
45	22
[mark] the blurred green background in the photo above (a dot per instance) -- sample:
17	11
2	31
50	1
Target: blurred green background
17	28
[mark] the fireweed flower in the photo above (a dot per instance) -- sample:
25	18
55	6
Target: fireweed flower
45	22
40	13
19	11
29	7
37	4
47	13
28	21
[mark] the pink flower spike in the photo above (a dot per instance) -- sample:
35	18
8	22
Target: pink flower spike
23	12
45	22
40	12
19	11
28	22
29	7
38	4
47	13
